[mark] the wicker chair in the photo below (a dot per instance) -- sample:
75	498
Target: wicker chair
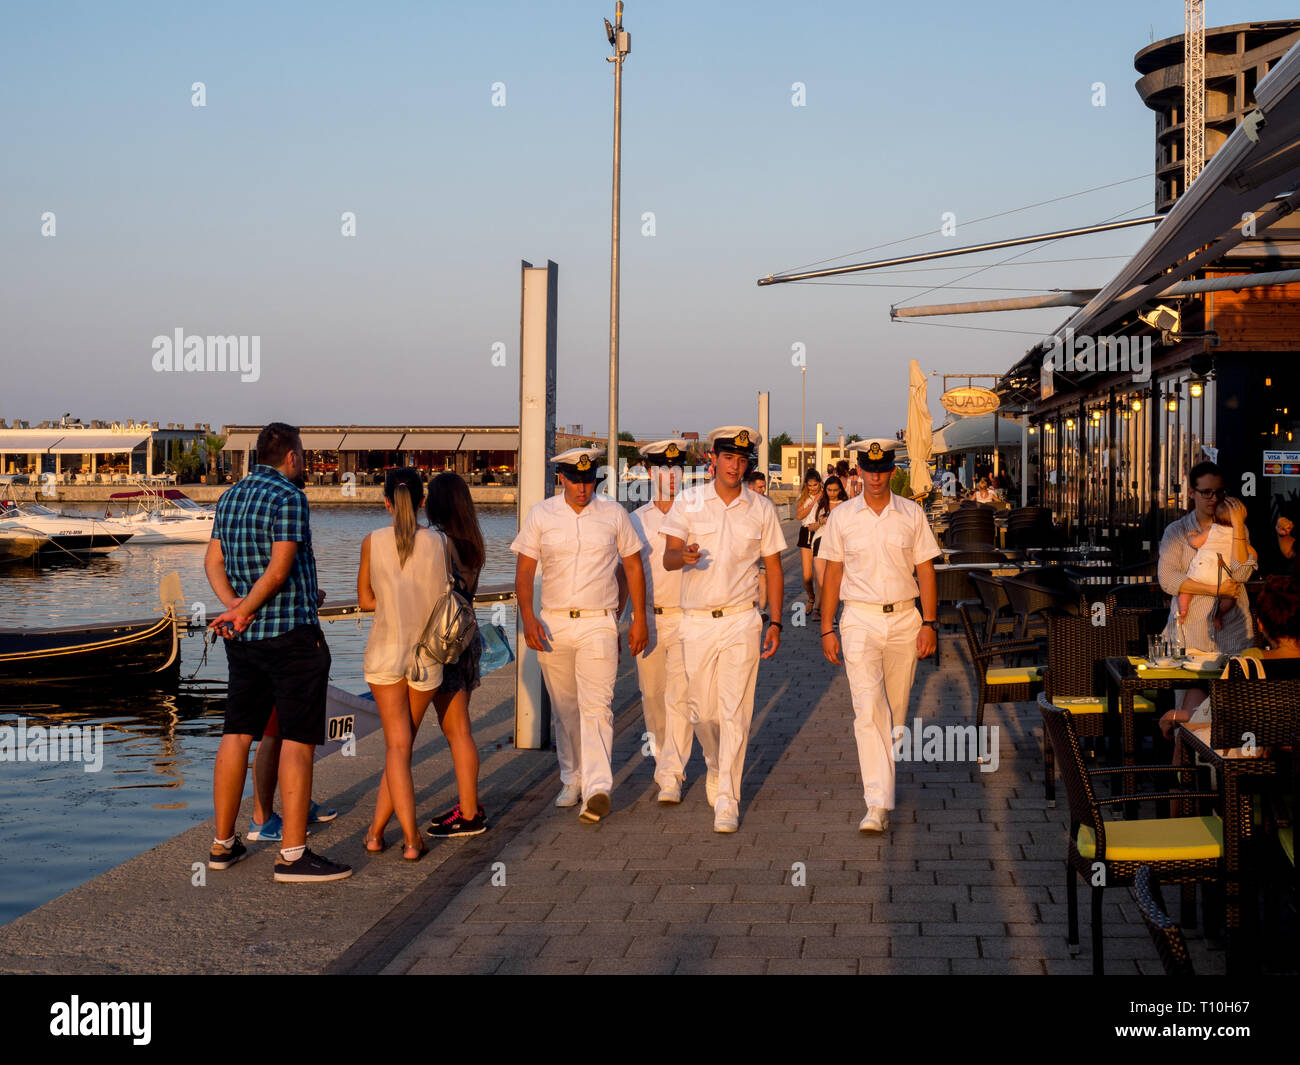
999	684
1030	600
1076	651
1109	853
997	607
954	586
1166	935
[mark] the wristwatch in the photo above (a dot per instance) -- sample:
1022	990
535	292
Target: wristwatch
933	624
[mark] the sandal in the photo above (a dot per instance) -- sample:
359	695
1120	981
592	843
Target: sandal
375	839
420	851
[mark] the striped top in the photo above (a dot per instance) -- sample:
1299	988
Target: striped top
1176	554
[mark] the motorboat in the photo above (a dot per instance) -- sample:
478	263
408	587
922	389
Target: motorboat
163	516
145	650
18	544
67	534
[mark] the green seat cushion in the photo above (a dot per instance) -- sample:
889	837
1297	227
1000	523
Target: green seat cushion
1095	704
1156	839
1286	837
1012	675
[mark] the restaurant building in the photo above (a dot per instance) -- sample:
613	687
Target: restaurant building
1169	364
480	454
96	452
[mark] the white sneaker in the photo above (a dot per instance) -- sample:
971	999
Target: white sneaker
595	808
670	793
725	820
711	788
570	795
877	820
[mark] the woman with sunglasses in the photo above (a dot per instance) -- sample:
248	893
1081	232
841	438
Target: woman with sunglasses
1177	552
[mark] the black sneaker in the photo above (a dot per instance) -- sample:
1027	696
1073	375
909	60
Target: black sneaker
453	823
220	857
309	869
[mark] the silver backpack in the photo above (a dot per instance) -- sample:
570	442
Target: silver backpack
451	627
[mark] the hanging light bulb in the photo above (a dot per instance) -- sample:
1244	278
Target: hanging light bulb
1096	415
1173	404
1196	389
1137	403
1069	423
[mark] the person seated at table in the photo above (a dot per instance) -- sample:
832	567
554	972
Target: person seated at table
983	493
1214	546
1278	612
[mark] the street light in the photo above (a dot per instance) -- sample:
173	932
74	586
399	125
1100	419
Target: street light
803	422
621	41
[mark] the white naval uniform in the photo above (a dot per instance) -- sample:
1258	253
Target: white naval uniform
659	668
721	654
880	553
579	554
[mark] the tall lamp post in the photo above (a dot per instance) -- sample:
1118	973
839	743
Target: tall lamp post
803	422
621	41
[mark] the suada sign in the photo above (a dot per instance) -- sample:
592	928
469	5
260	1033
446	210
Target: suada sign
969	400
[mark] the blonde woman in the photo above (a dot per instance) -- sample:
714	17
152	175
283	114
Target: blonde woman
402	576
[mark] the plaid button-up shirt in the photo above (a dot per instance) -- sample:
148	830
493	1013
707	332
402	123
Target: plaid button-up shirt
263	508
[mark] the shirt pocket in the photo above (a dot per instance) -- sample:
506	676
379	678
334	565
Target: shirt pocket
898	543
746	542
707	535
558	548
599	541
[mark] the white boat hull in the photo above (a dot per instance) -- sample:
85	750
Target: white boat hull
169	530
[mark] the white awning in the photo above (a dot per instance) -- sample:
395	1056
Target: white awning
321	441
240	442
1259	162
23	442
431	441
371	442
975	434
98	443
490	442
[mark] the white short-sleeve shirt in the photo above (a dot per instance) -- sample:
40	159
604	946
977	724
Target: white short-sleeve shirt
732	540
578	551
663	586
879	551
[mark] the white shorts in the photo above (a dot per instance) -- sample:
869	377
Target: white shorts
427	685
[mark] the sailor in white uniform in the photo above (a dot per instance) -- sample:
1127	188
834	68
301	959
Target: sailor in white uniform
717	534
660	669
578	539
880	555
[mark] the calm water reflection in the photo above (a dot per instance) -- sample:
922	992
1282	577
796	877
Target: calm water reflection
60	825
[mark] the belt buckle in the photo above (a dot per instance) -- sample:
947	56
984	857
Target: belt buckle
659	610
888	608
715	613
575	613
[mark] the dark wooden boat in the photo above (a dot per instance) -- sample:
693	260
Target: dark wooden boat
117	651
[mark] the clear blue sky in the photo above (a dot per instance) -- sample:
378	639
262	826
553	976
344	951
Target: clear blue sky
226	219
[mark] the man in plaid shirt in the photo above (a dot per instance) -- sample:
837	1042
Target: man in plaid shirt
261	566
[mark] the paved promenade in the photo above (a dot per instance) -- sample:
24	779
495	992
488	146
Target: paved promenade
969	879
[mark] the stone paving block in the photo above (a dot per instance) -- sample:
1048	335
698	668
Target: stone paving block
929	893
477	966
649	966
750	912
884	930
696	893
774	892
904	966
618	893
936	947
500	946
543	966
536	893
812	966
673	911
998	912
786	946
586	947
721	966
589	911
510	911
846	946
997	967
707	929
913	911
672	947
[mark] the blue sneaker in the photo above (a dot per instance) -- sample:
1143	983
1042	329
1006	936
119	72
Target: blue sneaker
270	831
318	815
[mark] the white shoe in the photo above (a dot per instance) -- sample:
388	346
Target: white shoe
877	820
711	789
670	794
570	795
725	820
595	808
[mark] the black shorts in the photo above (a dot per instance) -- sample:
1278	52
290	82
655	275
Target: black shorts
463	675
288	673
805	536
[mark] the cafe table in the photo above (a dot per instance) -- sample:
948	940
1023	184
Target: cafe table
1126	677
1235	770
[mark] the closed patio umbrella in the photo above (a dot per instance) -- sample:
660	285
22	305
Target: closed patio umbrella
918	432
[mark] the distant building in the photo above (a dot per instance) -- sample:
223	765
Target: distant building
96	452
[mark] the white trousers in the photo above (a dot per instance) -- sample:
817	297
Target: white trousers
880	660
720	656
662	677
579	671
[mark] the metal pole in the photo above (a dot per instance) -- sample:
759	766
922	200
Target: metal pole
803	423
622	44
